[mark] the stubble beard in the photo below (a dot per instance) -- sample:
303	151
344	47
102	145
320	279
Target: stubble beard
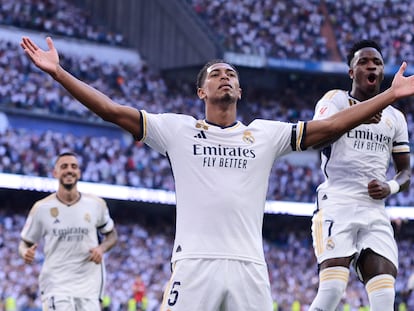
68	186
226	99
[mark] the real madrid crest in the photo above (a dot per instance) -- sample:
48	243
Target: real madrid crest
248	137
330	244
87	217
54	212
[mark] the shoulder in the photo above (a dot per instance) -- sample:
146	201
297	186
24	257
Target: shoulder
166	116
395	112
334	94
44	204
271	127
90	198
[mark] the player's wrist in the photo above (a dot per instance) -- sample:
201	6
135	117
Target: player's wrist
394	186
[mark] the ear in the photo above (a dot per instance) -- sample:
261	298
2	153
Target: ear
351	73
240	93
54	173
201	94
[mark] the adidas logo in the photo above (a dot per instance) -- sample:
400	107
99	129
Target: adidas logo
325	197
201	135
178	249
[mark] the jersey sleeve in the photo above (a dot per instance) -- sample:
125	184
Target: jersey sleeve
105	223
32	230
331	103
159	129
400	143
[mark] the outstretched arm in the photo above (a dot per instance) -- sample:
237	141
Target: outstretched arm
126	117
320	131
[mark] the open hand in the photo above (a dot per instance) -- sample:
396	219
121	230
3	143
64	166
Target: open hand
47	61
403	86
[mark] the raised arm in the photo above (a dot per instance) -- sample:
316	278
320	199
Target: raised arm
320	131
126	117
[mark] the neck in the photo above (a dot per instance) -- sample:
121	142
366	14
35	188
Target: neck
68	197
222	115
362	95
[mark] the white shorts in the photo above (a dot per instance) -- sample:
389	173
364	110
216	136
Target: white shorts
66	303
342	227
217	285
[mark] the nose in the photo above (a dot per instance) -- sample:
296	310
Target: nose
224	76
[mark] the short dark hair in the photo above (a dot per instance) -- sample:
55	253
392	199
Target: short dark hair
203	72
64	154
360	45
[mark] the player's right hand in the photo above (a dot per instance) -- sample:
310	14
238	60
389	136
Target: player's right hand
47	61
29	255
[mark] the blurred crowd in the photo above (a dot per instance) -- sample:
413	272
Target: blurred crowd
144	250
56	17
311	29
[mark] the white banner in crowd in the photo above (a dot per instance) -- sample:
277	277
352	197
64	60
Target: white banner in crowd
43	184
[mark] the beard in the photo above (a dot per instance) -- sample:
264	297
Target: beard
226	99
69	186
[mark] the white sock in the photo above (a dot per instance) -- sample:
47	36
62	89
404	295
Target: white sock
381	292
332	284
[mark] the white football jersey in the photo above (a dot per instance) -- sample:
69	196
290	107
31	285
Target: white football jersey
363	153
69	232
221	178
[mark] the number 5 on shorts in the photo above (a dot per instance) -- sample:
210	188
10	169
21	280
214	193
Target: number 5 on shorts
172	300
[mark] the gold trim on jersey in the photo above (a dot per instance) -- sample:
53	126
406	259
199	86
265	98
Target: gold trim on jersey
318	233
144	125
299	135
201	124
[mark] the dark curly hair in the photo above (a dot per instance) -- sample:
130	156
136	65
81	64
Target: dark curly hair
360	45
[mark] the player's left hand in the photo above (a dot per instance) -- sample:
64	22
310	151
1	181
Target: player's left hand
96	255
378	190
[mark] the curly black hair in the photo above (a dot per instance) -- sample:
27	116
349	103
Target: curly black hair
360	45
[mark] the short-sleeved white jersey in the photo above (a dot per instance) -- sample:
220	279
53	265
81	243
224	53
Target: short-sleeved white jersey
221	178
363	153
69	232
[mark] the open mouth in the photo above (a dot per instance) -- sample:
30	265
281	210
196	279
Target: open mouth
225	85
372	77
